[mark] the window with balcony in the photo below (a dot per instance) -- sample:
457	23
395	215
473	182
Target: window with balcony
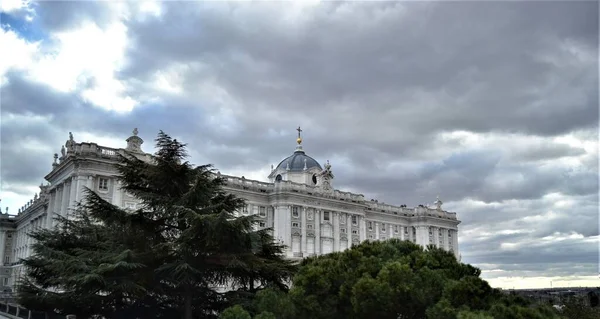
370	225
295	212
262	211
354	220
382	227
326	216
396	229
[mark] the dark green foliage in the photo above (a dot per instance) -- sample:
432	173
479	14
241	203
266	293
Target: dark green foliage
579	308
593	299
163	260
393	279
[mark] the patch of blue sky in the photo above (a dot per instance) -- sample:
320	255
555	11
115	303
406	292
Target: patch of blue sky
29	29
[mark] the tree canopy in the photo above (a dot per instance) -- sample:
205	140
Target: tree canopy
390	279
183	253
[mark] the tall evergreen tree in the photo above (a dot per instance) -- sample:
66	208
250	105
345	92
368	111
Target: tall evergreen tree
170	258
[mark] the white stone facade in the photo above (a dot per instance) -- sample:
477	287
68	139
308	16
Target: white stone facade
299	202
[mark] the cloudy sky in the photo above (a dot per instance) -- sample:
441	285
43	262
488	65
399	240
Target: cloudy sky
492	106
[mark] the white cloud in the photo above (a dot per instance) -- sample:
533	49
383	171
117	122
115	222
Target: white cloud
88	54
506	282
9	6
83	60
17	53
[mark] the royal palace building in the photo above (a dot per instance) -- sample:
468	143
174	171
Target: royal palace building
299	202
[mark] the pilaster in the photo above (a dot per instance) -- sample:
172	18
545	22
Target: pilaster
303	234
64	202
362	228
117	196
50	216
318	220
336	231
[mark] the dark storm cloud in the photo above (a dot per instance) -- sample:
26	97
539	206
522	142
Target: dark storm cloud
64	15
373	85
438	71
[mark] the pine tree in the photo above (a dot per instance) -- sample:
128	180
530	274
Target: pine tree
167	259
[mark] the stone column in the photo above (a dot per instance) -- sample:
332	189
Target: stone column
391	229
455	242
445	238
50	216
117	196
318	231
422	235
303	238
436	236
89	183
377	226
60	189
73	194
336	230
78	185
276	229
362	228
64	202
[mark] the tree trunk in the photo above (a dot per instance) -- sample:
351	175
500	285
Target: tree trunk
188	302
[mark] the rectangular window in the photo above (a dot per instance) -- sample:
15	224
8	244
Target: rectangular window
342	219
309	226
9	235
354	220
383	238
262	211
371	237
6	281
295	225
261	224
396	229
354	231
295	212
343	230
382	226
103	184
326	216
370	225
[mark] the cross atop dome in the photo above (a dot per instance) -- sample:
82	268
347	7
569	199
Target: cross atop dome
299	139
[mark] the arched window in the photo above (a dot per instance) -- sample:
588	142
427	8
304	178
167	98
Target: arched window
278	178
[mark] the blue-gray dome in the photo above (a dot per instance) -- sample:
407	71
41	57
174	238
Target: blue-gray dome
296	162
